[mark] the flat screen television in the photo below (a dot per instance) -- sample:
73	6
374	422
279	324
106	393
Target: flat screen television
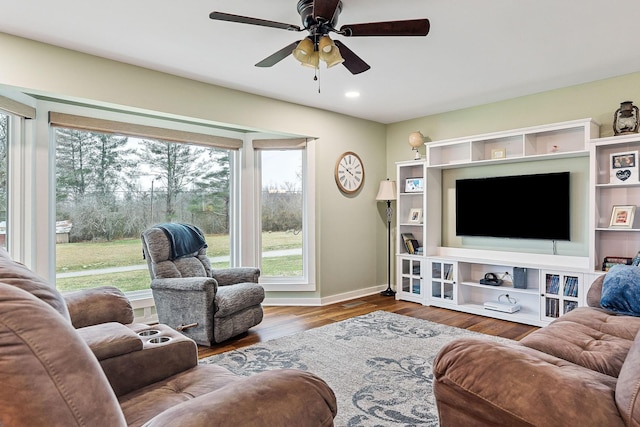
523	206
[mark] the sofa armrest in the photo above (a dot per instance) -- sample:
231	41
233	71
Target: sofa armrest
287	398
98	305
594	294
110	339
232	276
481	382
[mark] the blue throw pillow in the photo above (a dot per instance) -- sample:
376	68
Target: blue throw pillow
621	290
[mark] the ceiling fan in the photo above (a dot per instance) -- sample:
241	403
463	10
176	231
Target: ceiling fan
319	18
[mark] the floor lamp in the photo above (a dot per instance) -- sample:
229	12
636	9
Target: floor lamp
387	192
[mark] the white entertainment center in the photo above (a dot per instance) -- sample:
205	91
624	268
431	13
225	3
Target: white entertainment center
549	284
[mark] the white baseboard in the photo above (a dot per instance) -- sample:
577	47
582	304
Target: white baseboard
323	301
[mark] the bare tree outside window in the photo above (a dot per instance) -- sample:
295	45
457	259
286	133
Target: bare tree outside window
110	188
282	213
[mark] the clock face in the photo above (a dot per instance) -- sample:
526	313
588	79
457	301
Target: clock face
349	172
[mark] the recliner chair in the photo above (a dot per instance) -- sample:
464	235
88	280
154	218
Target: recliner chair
207	305
50	376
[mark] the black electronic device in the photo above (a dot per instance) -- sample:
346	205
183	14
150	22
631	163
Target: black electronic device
491	279
520	277
524	206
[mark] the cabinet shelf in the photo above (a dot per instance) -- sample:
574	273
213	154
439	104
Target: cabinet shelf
618	185
503	289
522	316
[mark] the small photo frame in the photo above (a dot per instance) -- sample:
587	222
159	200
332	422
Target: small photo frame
624	167
414	185
498	153
415	216
622	216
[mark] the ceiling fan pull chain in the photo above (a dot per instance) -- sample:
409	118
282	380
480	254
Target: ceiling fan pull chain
315	78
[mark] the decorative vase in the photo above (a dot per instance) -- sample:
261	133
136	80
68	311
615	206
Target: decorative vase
625	119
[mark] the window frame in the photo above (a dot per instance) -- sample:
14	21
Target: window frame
306	282
37	164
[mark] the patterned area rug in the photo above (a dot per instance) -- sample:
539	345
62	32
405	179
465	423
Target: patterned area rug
378	365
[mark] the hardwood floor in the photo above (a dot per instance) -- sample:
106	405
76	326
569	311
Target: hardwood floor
282	321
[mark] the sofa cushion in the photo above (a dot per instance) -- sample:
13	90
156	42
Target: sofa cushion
143	404
621	290
628	386
589	337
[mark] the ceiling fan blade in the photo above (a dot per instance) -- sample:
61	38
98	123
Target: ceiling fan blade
413	27
273	59
221	16
325	9
352	62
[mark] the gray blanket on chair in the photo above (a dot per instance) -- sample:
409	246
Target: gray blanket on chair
184	239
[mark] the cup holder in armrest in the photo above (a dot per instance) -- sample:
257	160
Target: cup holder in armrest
148	333
159	340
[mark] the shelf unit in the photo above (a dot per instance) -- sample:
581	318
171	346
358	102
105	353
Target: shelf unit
607	241
455	284
450	277
472	294
566	139
426	232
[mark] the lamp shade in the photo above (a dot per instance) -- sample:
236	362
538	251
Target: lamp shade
387	190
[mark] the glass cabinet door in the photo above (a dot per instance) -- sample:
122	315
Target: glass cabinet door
410	285
442	280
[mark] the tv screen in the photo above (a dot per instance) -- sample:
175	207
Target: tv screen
523	206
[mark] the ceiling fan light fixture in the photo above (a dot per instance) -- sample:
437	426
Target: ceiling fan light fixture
306	54
326	44
303	50
312	60
329	52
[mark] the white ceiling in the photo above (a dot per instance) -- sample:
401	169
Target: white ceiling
477	51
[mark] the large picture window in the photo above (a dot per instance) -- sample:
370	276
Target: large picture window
117	174
282	213
286	206
109	188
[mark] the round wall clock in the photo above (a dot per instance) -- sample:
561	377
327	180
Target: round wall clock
349	172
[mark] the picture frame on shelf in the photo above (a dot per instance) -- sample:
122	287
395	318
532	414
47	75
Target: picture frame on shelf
498	153
624	167
415	216
414	185
622	216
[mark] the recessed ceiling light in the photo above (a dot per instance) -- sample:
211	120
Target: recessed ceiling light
352	94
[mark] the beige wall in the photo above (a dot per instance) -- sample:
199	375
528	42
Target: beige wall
597	100
350	231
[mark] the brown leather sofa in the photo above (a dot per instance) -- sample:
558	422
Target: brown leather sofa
80	361
583	369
